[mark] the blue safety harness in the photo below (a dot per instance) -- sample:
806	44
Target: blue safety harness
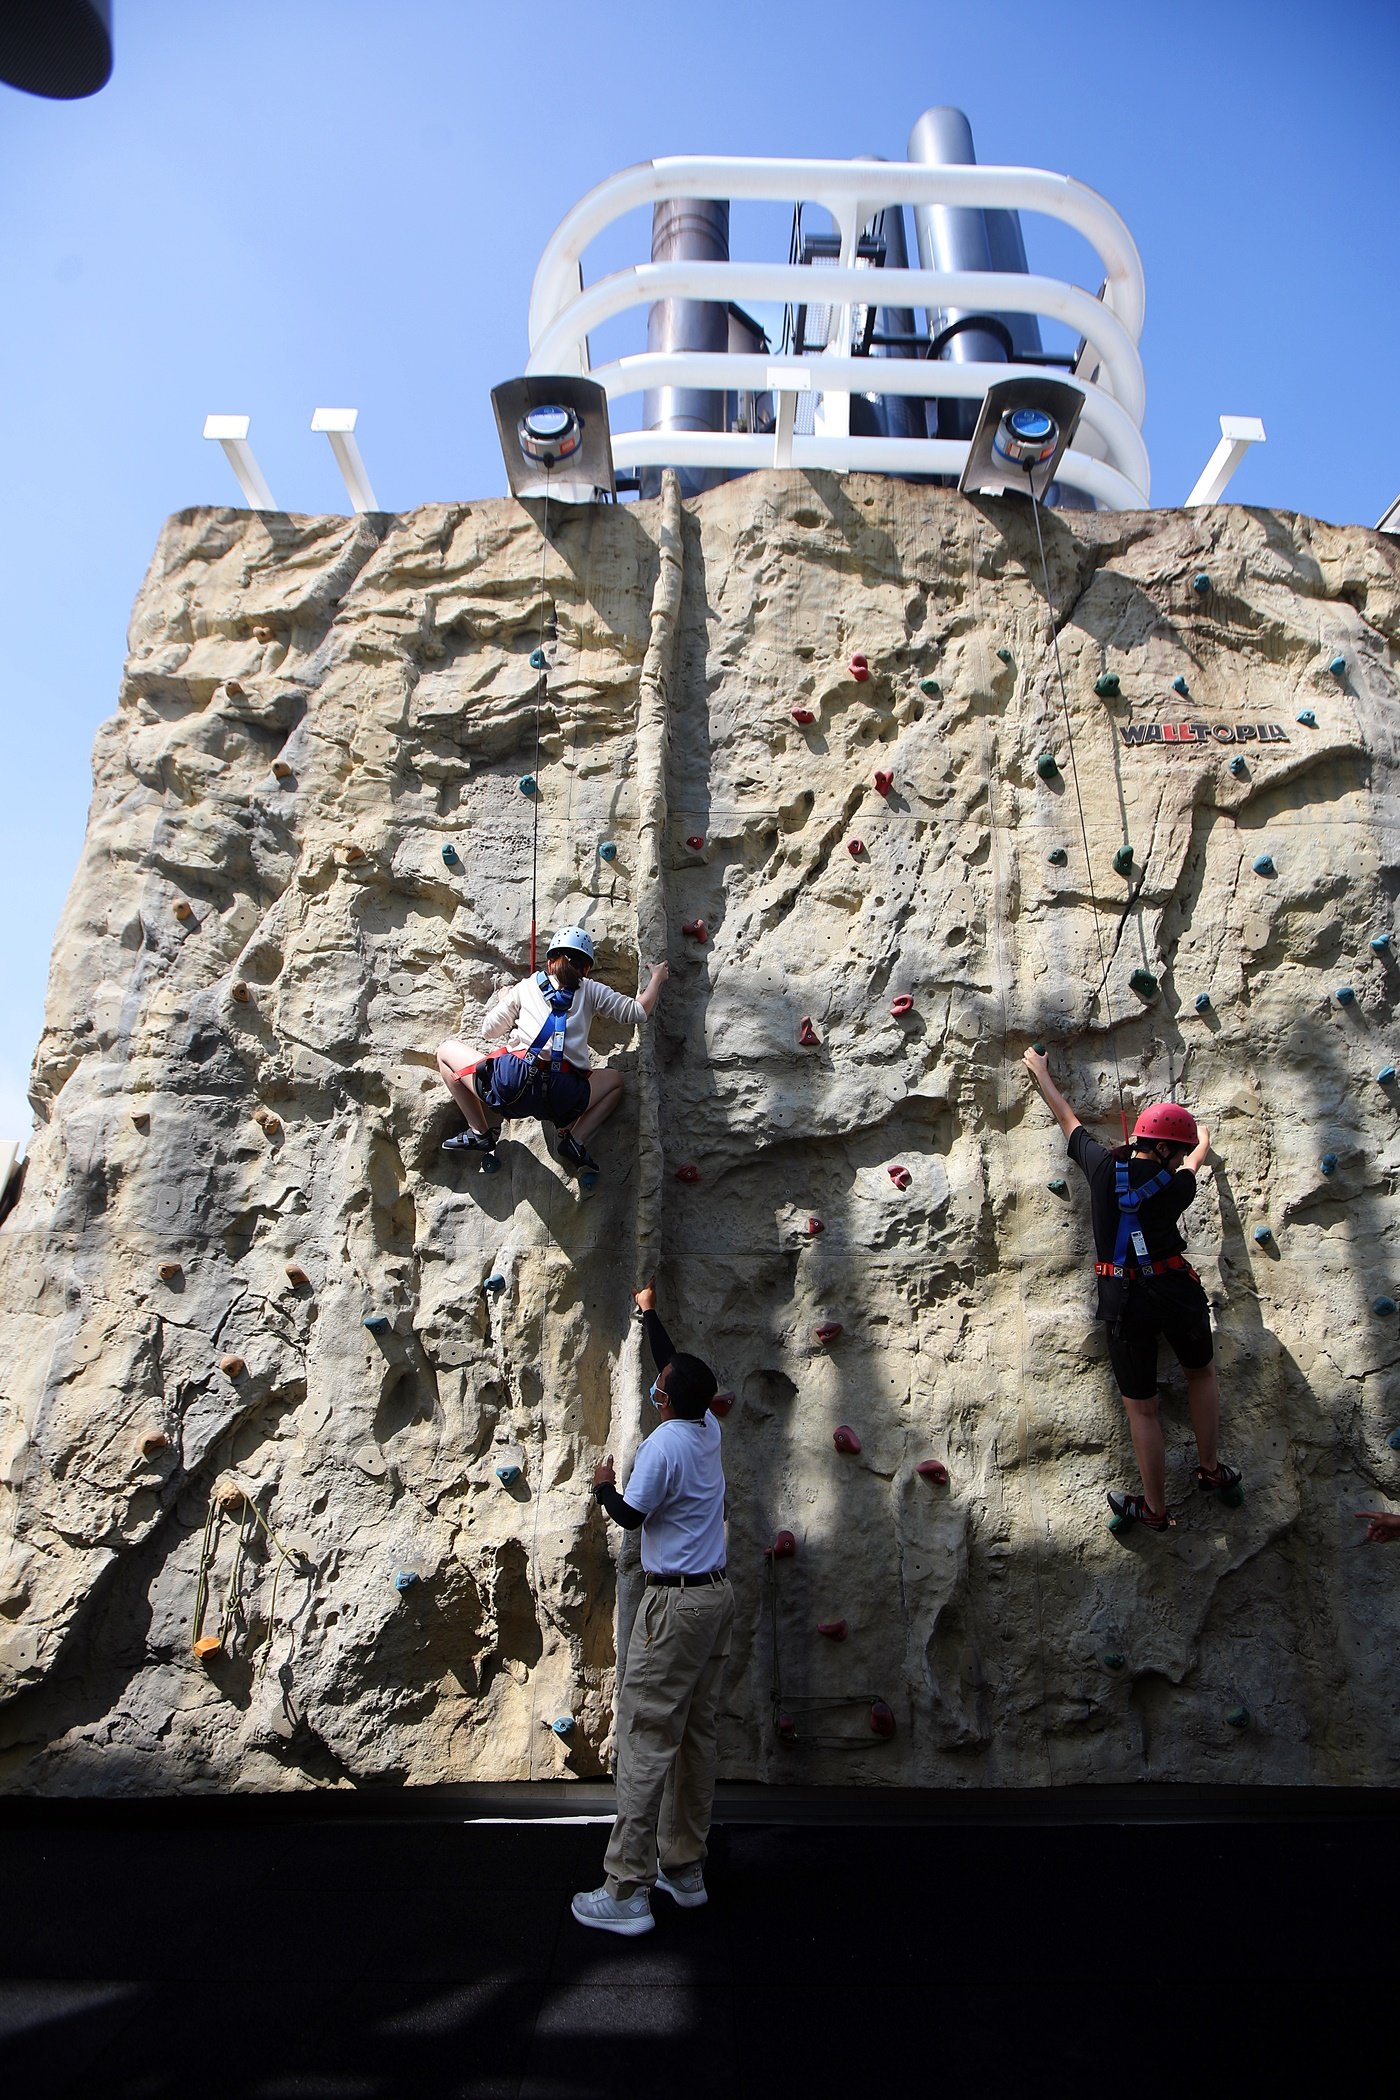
548	1046
1130	1202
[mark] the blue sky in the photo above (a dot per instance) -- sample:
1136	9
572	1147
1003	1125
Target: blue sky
279	204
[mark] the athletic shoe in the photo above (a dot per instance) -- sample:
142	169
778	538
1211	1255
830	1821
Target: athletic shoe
471	1141
684	1885
1133	1509
575	1155
629	1916
1224	1481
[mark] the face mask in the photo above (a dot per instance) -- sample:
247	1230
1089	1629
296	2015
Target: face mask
656	1396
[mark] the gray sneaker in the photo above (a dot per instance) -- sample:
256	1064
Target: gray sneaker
628	1915
684	1885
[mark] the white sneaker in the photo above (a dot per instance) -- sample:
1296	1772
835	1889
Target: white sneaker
628	1915
684	1885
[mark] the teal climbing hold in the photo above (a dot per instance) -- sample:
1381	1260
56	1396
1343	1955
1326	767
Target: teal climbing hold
1264	864
1383	1306
1122	860
1114	1661
490	1164
1238	1717
1203	1002
1379	943
607	851
1179	685
1345	995
1059	1186
1263	1234
537	660
1328	1162
529	785
1338	667
507	1475
564	1726
405	1580
450	856
1057	856
1385	1075
930	686
1200	583
1039	1049
377	1323
1143	983
1005	655
1107	685
1046	765
1237	764
1394	1440
1308	718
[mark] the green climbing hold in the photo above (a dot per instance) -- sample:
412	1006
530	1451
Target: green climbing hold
1057	856
930	686
1046	765
1059	1186
1114	1661
1118	1525
1144	984
1179	685
1123	860
1238	1717
1108	685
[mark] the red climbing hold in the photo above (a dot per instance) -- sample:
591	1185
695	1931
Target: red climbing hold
782	1548
860	668
807	1035
932	1469
721	1403
884	782
828	1332
695	842
881	1720
803	715
814	1226
900	1176
834	1629
695	930
787	1729
687	1173
845	1439
901	1006
855	847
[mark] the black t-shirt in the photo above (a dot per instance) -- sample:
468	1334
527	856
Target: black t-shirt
1157	1219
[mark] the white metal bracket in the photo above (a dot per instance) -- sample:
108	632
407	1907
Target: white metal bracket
787	382
1237	434
338	424
232	433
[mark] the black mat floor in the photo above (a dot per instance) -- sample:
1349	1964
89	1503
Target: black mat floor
269	1951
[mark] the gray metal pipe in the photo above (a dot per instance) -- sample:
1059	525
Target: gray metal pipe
954	237
899	415
687	229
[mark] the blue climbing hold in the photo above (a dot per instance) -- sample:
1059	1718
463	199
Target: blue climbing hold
1385	1075
1057	856
1179	685
564	1726
1108	685
607	851
494	1283
1394	1440
1345	995
1237	764
1379	943
537	660
1264	865
1383	1307
1203	1002
529	785
1238	1717
450	856
1200	583
405	1580
1308	718
507	1475
1328	1162
1338	667
1263	1234
377	1323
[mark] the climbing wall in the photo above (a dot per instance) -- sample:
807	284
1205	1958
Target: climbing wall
285	1385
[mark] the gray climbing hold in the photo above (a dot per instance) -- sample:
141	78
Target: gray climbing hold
1046	765
1379	943
1108	685
1263	1234
450	856
1308	718
1203	1002
607	851
1143	983
1385	1075
1264	864
405	1580
1238	1717
377	1323
507	1475
1237	764
1338	667
1383	1306
1200	583
1057	856
1059	1186
1328	1162
1179	685
1122	860
564	1726
1345	995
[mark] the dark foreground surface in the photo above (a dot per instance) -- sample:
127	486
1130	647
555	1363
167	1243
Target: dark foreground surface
365	1947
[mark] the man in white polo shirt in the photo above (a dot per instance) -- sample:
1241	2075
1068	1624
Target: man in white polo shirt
668	1702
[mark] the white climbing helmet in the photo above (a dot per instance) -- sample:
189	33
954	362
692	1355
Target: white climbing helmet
574	940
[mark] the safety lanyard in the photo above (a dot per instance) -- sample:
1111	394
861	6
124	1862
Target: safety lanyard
549	1043
1130	1202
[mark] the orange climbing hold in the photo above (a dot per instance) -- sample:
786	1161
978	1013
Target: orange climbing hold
884	782
153	1442
232	1366
900	1176
168	1271
834	1629
783	1547
881	1720
845	1439
184	909
687	1173
721	1403
860	668
297	1276
803	715
828	1332
240	992
233	689
695	930
208	1644
264	634
901	1006
932	1469
807	1035
280	769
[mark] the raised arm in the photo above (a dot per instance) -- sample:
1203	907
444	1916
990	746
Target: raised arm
1038	1065
651	991
1196	1157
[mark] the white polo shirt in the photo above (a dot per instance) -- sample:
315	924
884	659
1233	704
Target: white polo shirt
678	1482
523	1009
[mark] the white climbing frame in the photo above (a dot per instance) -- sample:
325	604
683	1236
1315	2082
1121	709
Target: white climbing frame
1111	465
232	433
1237	434
338	424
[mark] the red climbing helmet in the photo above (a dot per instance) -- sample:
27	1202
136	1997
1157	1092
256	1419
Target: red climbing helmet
1167	1121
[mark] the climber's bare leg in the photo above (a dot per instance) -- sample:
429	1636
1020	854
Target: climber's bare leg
452	1057
604	1093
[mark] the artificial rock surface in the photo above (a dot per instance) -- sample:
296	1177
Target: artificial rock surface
383	665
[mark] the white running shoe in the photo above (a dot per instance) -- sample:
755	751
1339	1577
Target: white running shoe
628	1915
684	1885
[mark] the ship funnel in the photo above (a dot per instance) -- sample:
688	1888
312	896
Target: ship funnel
687	229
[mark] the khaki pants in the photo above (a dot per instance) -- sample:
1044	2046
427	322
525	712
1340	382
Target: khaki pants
667	1723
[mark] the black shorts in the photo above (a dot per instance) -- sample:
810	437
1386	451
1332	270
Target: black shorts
512	1087
1171	1308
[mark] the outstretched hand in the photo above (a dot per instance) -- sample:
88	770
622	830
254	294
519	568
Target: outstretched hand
1382	1527
645	1298
603	1473
1036	1062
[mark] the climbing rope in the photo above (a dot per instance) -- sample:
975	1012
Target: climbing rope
1104	966
541	687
